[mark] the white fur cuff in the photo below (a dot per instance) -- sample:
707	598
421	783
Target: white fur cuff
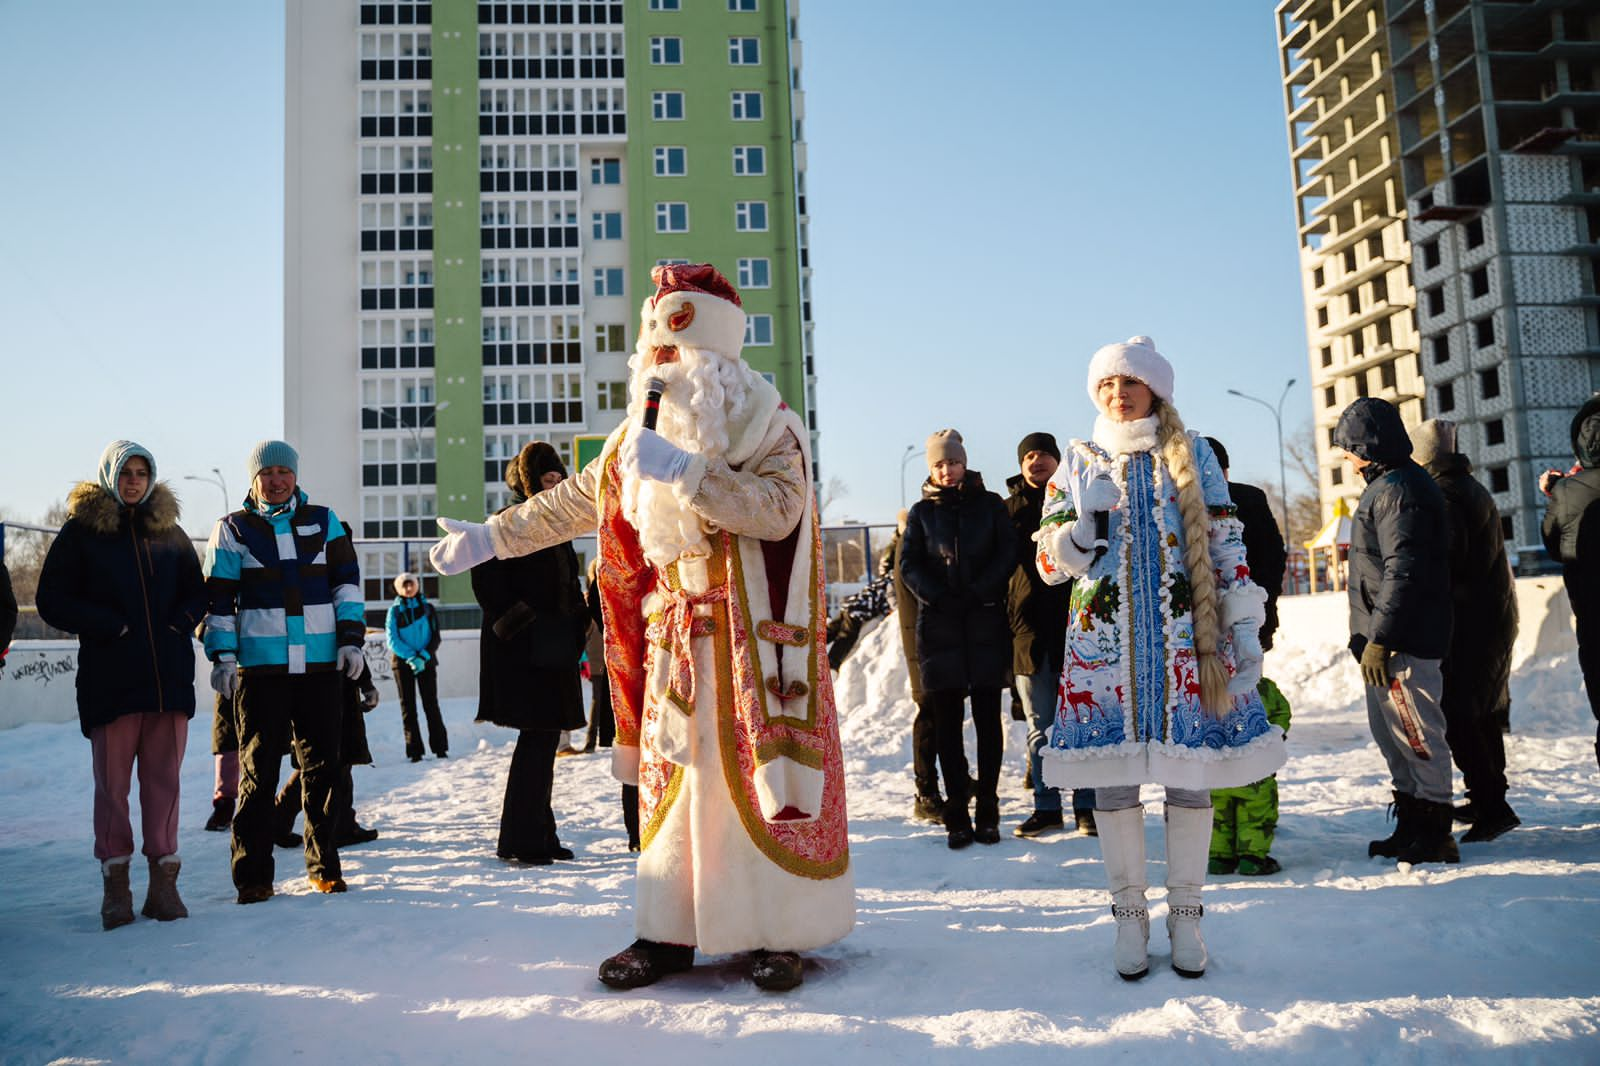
688	485
625	763
785	783
1068	557
1246	602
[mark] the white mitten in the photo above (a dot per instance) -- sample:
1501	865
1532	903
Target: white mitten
225	678
350	661
465	545
1100	494
655	458
1247	656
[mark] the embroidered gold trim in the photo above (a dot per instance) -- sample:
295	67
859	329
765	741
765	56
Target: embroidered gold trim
809	722
647	832
773	750
783	633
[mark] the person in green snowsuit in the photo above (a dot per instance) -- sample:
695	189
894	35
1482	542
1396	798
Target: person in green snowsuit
1243	819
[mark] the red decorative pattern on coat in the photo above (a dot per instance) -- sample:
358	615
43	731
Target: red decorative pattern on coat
626	578
1185	674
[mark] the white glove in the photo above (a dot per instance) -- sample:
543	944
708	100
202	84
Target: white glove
655	458
1247	656
465	545
225	678
351	661
1101	494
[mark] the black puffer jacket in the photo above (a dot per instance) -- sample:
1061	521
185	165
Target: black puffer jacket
114	568
1572	519
1478	667
1399	540
956	556
1037	611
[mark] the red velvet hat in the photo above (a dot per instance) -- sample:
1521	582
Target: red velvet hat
692	277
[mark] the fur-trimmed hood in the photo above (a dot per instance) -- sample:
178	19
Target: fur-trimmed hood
102	512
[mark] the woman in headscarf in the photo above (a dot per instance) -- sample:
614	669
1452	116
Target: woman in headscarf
125	578
1162	654
534	624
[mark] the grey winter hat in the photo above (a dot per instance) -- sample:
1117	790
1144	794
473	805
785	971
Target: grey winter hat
272	453
1433	440
115	457
946	444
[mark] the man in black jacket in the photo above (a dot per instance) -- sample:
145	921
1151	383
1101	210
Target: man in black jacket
1400	625
1038	614
1572	537
1477	669
1263	543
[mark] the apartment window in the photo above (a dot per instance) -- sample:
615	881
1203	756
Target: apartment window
1478	282
1327	356
1319	278
1322	316
1430	255
666	51
1375	246
1440	346
1494	431
1435	297
743	5
755	273
671	161
1352	302
1386	375
1380	290
747	106
1447	396
1361	383
744	51
664	5
1489	383
1329	433
526	338
1499	479
750	216
1336	476
1483	331
608	281
1508	530
758	330
666	106
749	160
605	172
672	217
389	284
391	343
1330	396
611	395
608	225
1349	260
1358	345
1474	232
1385	334
610	337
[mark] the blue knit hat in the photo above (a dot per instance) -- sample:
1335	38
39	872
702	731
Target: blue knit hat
115	457
272	453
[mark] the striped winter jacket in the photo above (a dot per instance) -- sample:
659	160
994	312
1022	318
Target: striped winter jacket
284	588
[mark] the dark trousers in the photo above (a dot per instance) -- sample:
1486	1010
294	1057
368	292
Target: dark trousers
602	722
925	751
1479	750
428	683
292	800
275	711
630	814
1587	618
949	716
527	824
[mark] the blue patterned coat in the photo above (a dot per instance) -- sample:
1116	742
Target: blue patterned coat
1128	708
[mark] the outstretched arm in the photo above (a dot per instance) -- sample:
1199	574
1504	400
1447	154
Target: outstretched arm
553	516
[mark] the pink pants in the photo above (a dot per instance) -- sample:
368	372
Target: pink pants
227	776
157	741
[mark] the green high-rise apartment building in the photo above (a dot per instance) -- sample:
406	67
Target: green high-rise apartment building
475	196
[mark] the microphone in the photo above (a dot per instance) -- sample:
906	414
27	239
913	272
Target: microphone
1102	533
653	389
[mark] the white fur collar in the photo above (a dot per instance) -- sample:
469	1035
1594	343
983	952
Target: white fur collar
746	434
1123	438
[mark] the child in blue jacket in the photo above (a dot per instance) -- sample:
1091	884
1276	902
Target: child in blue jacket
412	630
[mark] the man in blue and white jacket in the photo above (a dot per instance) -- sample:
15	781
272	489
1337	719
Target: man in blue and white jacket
285	619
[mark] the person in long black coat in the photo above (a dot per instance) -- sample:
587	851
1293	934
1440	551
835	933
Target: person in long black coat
534	625
1572	537
956	556
1477	668
1264	550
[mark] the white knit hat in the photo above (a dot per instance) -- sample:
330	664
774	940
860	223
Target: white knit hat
1137	358
400	582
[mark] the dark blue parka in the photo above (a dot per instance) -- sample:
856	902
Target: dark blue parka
1399	539
127	581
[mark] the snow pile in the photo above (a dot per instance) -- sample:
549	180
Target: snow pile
442	954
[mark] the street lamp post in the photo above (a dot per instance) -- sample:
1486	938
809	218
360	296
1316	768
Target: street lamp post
220	482
1277	418
905	457
416	440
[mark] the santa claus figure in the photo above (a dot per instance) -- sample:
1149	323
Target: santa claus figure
711	586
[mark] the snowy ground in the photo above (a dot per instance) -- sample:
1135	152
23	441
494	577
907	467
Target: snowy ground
440	953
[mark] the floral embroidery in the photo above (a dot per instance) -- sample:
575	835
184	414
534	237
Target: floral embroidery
780	633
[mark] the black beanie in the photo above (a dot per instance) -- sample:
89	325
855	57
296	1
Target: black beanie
1038	442
1219	451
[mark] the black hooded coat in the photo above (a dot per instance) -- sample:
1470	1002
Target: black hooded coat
1571	528
1399	540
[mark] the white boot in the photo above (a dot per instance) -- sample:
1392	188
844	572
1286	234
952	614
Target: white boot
1122	846
1188	843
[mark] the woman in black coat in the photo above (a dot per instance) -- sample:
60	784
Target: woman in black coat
534	622
125	578
955	558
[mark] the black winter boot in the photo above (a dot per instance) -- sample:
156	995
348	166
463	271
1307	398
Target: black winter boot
1493	818
1405	830
1431	840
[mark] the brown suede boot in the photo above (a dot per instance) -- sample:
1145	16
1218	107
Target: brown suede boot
161	900
116	907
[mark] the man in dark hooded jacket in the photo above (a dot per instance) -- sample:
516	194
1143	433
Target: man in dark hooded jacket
1572	537
1477	669
1400	625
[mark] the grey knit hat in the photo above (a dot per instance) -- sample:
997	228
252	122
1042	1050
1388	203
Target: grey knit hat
1432	440
946	444
272	453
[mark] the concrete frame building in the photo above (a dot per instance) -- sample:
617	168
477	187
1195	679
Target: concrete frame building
1499	116
1350	212
475	194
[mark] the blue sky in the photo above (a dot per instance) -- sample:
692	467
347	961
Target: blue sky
992	199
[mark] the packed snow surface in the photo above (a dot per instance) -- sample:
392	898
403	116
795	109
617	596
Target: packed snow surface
442	954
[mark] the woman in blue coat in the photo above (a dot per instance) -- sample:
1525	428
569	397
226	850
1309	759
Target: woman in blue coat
1162	653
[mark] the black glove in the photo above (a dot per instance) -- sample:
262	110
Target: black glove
514	621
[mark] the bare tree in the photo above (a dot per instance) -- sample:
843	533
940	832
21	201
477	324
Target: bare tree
25	552
832	492
1301	448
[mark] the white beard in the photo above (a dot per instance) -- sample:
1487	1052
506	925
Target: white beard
704	392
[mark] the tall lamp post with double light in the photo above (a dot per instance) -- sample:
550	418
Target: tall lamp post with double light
220	482
1277	418
416	440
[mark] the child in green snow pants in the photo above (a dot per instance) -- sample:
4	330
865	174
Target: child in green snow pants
1243	819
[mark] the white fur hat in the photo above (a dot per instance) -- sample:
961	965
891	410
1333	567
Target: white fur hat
1137	358
695	306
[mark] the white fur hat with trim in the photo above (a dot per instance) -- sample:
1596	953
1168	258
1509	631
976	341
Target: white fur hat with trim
1135	358
404	578
693	306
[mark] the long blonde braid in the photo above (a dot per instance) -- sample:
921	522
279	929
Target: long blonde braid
1177	450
